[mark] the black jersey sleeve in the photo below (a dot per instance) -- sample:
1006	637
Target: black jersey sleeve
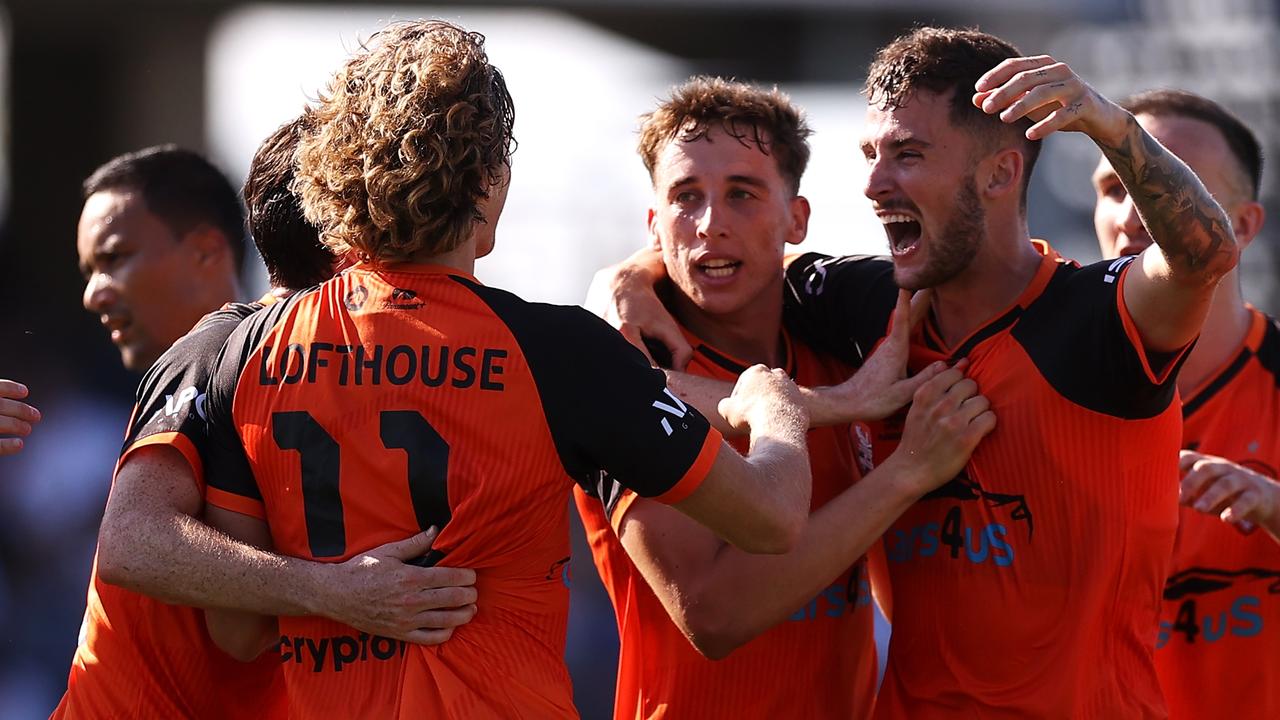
230	483
840	305
1079	334
170	402
607	408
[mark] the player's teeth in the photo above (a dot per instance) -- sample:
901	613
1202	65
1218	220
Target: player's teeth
721	271
887	219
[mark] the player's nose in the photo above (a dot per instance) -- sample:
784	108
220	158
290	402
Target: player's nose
99	293
879	182
711	223
1128	221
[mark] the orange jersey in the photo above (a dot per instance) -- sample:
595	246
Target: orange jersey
1029	586
139	657
1218	649
387	401
825	651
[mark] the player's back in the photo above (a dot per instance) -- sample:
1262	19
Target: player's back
382	403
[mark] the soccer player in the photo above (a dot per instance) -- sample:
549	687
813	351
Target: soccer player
1028	586
150	655
403	394
16	417
161	241
725	160
1218	648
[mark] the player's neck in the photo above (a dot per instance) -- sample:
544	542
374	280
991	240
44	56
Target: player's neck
461	258
752	333
998	274
1224	330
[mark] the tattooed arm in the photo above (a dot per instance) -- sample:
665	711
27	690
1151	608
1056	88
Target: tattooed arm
1169	292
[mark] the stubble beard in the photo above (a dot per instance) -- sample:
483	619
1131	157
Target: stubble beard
956	246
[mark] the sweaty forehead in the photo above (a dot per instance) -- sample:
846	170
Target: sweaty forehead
116	214
713	154
921	117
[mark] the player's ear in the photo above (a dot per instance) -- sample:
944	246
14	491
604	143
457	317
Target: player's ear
1001	173
655	241
799	229
1246	221
208	243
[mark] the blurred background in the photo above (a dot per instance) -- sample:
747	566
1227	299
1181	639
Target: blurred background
84	80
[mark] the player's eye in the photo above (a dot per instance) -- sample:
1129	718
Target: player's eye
740	194
686	197
1113	191
910	155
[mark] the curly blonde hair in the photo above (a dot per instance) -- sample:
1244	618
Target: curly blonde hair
413	133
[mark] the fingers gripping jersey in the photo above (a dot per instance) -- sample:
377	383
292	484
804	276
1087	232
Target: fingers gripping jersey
825	651
384	402
142	658
1028	586
1218	648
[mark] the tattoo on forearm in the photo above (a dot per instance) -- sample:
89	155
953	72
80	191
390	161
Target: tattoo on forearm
1182	217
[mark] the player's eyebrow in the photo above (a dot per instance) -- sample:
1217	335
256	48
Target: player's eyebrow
897	143
751	180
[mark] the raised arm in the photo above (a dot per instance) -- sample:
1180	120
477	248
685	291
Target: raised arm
151	542
1168	293
721	597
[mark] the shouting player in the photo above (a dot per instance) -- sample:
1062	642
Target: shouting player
1218	648
1028	585
142	656
725	160
404	394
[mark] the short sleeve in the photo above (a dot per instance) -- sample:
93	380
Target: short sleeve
839	305
230	481
170	402
607	408
1081	337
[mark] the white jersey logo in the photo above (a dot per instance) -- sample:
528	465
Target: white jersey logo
679	410
173	404
1113	270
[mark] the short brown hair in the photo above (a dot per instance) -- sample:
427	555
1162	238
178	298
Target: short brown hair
414	132
289	245
765	118
1240	139
942	60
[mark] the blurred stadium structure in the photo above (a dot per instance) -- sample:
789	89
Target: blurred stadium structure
84	80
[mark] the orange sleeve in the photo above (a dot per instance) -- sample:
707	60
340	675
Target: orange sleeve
696	473
1154	376
177	441
235	503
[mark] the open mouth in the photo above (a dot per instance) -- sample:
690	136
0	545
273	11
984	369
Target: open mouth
903	232
719	268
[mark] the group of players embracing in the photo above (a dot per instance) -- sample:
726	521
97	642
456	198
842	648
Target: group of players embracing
348	499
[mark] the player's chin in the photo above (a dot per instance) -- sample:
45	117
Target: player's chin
136	357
